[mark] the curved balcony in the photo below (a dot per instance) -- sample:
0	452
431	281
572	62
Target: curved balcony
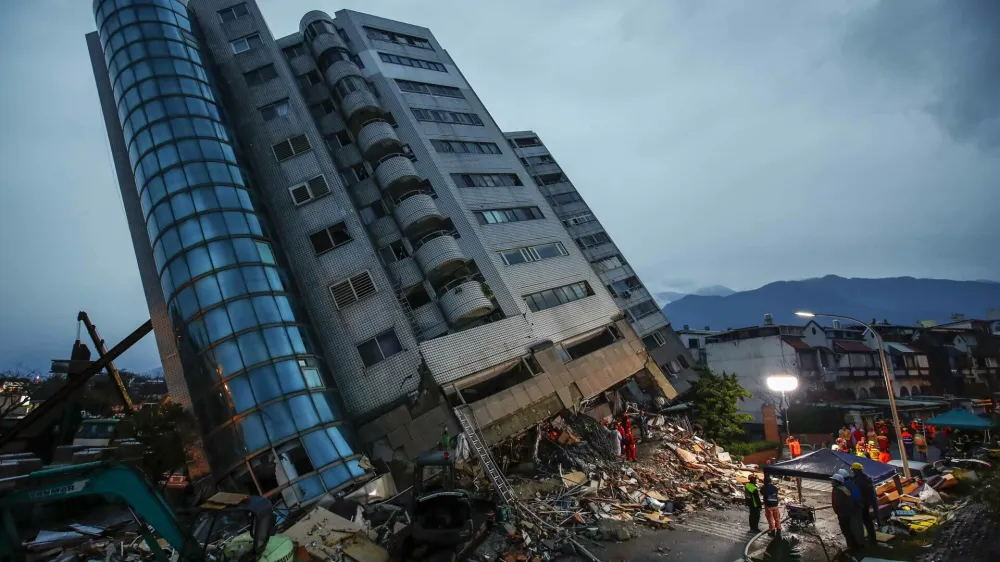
438	253
339	70
405	272
463	300
324	42
311	16
429	321
377	139
396	174
358	107
417	212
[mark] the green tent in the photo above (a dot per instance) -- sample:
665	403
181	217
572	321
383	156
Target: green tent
960	419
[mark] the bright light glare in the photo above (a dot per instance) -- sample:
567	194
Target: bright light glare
805	314
782	383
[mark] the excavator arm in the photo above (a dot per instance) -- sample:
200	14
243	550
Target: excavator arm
116	483
101	350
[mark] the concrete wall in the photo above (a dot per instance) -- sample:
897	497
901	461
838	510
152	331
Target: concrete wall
753	360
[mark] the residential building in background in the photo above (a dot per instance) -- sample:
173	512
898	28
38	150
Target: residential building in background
331	227
694	341
607	260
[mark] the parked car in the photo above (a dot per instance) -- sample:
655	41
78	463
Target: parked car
921	470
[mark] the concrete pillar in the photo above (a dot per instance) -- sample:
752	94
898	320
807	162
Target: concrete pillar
770	423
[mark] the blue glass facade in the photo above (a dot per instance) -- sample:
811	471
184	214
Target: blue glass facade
270	416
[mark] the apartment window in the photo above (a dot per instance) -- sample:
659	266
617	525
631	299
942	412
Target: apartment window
348	85
322	108
373	212
528	141
417	296
579	219
441	116
295	51
312	189
624	287
609	263
416	63
354	174
382	346
564	198
393	252
329	238
591	240
319	27
557	296
642	310
308	79
654	340
516	214
487	180
352	290
246	43
533	253
291	147
549	179
465	147
260	75
430	89
400	38
684	362
535	160
272	111
342	138
234	12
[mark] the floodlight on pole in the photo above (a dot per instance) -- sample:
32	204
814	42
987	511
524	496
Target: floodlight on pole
805	314
783	384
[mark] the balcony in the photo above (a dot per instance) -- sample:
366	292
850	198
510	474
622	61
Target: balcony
359	107
438	253
429	321
405	272
396	174
377	139
339	70
463	300
324	42
417	212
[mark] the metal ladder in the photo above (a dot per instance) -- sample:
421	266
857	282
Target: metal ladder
405	305
471	429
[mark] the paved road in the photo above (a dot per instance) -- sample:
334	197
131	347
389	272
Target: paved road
718	536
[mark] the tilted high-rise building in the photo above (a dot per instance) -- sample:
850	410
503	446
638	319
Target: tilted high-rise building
325	226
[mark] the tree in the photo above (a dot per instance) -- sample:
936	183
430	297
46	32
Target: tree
18	389
164	431
715	399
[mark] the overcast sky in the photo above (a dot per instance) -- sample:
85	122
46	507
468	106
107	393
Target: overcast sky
732	143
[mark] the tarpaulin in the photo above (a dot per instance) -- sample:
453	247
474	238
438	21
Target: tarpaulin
824	463
960	419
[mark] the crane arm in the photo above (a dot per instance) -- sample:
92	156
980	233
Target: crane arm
111	369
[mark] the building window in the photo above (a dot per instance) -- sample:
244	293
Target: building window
352	290
564	198
312	189
338	140
322	108
382	346
626	285
579	219
295	51
260	75
684	362
348	85
430	89
487	180
555	297
535	160
234	12
609	263
373	212
549	179
354	174
528	141
272	111
393	252
416	63
533	253
465	147
442	116
654	340
308	79
591	240
642	310
319	27
516	214
399	38
291	147
329	238
246	43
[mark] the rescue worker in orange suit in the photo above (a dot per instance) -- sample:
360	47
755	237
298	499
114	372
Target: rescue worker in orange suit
794	447
629	444
752	494
883	442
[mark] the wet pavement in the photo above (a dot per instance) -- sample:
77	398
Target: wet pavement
717	536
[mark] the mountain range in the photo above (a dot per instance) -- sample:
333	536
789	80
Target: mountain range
901	300
710	291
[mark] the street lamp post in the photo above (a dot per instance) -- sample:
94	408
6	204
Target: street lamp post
885	373
783	384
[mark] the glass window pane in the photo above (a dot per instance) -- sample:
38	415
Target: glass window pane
339	441
389	344
240	394
297	340
305	414
236	223
197	335
208	291
326	409
274	280
312	377
255	279
289	376
266	309
198	261
278	344
550	298
253	432
222	253
309	488
181	205
190	232
252	348
335	476
265	252
319	448
285	308
188	303
213	225
246	252
264	383
241	314
231	283
217	324
204	198
227	356
278	421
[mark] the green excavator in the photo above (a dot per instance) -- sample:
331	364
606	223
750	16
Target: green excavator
235	533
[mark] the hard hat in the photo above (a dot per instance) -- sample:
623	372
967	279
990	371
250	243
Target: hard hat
838	478
857	466
843	473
